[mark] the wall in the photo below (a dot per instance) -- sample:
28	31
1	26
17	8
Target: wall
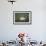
9	31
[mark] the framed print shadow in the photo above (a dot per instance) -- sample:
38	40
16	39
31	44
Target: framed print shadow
22	17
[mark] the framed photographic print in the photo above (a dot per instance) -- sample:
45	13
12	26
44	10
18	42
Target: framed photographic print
22	17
